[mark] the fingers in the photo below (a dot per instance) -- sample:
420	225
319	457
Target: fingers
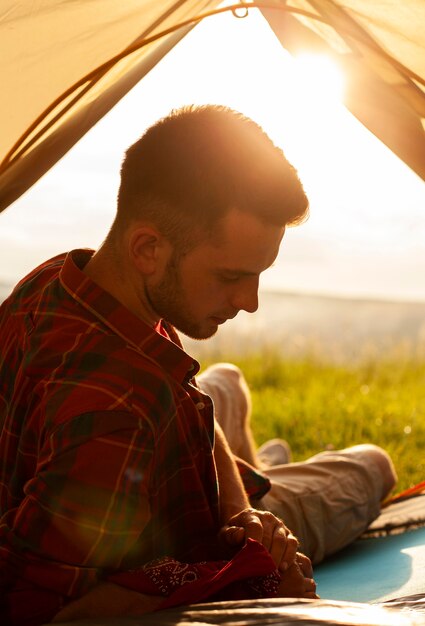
294	584
309	584
265	528
273	530
284	548
255	529
278	540
232	535
311	595
246	521
310	588
304	564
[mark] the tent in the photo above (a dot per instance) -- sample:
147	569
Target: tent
65	64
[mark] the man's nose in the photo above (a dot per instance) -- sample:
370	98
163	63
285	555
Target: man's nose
246	298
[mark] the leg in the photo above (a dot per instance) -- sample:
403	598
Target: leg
226	385
329	500
375	454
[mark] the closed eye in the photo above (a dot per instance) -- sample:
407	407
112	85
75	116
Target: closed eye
229	278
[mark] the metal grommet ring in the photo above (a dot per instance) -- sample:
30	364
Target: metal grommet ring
239	15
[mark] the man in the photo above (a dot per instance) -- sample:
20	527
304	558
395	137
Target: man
110	455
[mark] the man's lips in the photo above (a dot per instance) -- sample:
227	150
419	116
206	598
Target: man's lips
221	320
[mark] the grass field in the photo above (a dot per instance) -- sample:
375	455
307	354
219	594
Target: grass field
317	405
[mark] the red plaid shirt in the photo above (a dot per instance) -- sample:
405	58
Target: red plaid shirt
106	444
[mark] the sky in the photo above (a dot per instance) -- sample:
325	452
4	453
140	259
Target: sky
366	233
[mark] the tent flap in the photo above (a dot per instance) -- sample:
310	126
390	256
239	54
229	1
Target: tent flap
66	63
48	50
384	66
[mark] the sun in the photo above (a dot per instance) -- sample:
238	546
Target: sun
318	77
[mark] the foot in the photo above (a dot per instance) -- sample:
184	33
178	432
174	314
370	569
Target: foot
274	452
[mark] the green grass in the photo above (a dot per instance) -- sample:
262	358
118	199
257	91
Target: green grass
317	406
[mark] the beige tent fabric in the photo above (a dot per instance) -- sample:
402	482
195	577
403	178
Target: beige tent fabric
48	46
380	46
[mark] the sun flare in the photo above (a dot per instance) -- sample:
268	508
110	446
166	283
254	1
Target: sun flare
318	76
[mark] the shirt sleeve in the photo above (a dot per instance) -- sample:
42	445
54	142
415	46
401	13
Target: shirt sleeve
87	503
256	483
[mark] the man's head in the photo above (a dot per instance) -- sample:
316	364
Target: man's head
204	201
191	167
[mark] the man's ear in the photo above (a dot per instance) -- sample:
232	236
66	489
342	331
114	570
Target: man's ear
148	249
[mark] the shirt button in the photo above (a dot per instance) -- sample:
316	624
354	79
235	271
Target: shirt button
200	406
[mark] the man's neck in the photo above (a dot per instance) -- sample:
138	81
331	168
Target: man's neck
108	271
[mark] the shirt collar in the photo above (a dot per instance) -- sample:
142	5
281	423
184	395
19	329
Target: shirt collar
102	305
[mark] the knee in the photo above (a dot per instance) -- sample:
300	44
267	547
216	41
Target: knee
227	370
227	381
381	459
234	381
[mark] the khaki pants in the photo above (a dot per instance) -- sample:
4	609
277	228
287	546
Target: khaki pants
327	501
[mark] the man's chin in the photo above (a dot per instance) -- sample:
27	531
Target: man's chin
200	333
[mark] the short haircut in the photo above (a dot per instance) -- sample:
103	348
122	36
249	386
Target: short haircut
194	165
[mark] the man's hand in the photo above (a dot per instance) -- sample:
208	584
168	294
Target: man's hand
108	600
267	529
297	581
